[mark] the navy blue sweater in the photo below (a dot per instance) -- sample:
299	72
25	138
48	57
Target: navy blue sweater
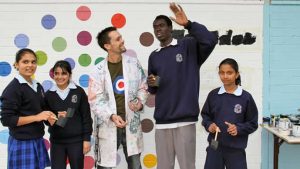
79	127
21	100
238	110
178	67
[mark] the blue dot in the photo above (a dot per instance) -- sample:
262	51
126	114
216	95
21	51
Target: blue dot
84	80
71	61
21	41
48	21
47	84
5	69
4	136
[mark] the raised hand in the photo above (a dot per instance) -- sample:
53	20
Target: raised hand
180	17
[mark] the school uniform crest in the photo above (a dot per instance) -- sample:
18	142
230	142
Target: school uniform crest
179	58
74	99
237	108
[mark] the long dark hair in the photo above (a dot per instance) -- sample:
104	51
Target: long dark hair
235	66
64	65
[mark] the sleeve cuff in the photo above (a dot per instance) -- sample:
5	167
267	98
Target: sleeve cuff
188	25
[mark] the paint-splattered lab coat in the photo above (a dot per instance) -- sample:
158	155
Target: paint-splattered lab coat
103	105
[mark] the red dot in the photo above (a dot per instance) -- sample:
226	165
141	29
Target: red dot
118	20
84	38
51	74
47	144
88	162
121	85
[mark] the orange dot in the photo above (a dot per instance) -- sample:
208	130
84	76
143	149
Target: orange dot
150	160
118	20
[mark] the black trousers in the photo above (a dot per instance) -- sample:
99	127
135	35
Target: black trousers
59	153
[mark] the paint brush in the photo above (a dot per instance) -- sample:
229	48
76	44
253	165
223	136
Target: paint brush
214	143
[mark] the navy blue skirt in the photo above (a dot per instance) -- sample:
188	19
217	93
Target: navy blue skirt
29	154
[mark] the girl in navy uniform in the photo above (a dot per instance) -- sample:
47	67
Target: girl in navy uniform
70	139
22	112
233	112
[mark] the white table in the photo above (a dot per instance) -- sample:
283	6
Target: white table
279	138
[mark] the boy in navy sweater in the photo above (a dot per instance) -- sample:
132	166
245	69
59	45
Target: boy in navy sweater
231	110
177	64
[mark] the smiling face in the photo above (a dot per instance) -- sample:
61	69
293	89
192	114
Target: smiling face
61	77
26	65
116	44
228	75
162	31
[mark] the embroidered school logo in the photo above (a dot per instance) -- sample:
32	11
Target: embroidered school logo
179	58
238	108
74	99
118	85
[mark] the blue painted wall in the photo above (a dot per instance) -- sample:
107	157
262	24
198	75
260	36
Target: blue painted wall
281	75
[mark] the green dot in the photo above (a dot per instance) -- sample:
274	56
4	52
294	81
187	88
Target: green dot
98	60
41	57
84	60
59	44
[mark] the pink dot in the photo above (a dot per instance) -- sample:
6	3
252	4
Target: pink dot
118	20
47	144
88	162
83	13
150	101
84	38
130	52
51	74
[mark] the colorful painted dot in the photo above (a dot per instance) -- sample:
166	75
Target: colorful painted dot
147	125
71	62
84	38
98	60
146	39
150	101
5	69
150	160
84	60
83	13
130	52
51	73
118	20
47	143
41	57
4	134
47	84
59	44
88	162
48	21
84	80
21	41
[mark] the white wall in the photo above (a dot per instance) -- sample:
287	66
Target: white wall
239	16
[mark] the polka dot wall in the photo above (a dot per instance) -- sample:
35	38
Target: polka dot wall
60	47
67	30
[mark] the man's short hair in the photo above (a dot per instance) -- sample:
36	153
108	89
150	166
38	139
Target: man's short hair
103	38
164	17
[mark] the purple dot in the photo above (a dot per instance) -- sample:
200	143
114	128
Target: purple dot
48	22
47	84
84	38
21	41
130	52
71	61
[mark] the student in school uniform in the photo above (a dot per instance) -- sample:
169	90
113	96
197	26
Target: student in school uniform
233	111
22	112
71	139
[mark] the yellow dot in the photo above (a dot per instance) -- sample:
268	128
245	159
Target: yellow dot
32	76
150	160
